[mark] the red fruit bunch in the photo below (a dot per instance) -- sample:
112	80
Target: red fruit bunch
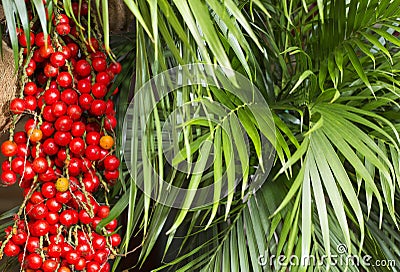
65	154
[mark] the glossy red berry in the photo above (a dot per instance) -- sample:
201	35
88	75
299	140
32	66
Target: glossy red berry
69	217
57	59
77	146
83	68
69	96
8	177
50	70
85	101
63	29
99	64
62	138
40	165
30	103
115	67
98	107
75	112
99	90
11	249
59	108
30	88
9	148
49	190
64	79
78	129
63	123
84	86
50	147
39	228
17	106
33	261
23	41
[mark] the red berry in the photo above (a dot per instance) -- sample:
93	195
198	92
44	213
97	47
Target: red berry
52	217
63	29
85	101
17	165
49	265
49	190
99	242
34	261
30	88
53	205
78	129
40	165
23	40
30	103
115	240
84	217
9	148
54	250
75	167
20	238
75	112
115	67
99	90
99	64
101	255
92	45
77	146
111	163
17	106
48	114
103	78
8	178
37	57
59	108
64	79
20	137
63	123
51	96
74	49
46	51
40	228
41	41
66	51
84	86
38	211
111	175
98	107
50	70
63	197
82	67
50	147
93	138
110	122
93	267
57	59
103	211
69	218
47	129
11	249
33	244
69	96
62	138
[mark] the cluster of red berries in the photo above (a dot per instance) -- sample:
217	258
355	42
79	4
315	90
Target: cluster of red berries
65	155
